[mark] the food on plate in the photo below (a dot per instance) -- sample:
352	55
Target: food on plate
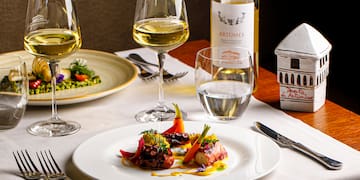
176	135
153	152
195	146
78	74
177	139
210	151
178	125
195	153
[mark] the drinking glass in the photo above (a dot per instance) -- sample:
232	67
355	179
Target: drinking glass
13	90
52	32
160	25
224	80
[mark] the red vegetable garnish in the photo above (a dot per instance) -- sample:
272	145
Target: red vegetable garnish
178	123
34	84
81	77
130	155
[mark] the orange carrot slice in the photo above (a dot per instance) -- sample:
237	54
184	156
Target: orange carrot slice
190	154
178	123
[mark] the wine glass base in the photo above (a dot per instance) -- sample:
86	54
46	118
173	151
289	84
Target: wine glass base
157	114
53	128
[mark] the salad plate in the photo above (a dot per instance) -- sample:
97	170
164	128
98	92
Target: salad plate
116	73
251	155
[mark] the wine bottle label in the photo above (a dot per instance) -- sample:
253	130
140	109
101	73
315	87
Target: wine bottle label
232	25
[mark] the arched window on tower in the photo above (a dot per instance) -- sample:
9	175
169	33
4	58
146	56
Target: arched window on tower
317	80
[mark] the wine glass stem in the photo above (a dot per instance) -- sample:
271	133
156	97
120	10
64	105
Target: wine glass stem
53	68
161	57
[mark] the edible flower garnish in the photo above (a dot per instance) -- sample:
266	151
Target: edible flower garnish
59	78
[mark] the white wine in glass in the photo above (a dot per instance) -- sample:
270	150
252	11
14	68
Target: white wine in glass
52	32
162	26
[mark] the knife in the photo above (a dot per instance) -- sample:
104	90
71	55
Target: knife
286	142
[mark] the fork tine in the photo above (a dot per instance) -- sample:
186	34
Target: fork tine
18	164
26	165
31	161
175	76
22	159
51	164
53	160
47	173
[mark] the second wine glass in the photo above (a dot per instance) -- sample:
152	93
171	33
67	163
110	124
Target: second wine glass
160	25
52	32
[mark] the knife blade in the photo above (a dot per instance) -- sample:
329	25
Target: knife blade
286	142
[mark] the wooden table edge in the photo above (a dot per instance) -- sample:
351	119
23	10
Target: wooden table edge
331	119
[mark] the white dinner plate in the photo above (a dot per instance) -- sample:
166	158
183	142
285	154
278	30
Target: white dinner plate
251	155
115	72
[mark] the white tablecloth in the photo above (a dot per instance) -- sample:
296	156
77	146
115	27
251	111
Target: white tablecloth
118	110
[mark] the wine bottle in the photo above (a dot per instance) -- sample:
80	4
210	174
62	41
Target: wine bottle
235	23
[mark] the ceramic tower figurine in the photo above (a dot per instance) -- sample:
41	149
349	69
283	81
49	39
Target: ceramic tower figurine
302	69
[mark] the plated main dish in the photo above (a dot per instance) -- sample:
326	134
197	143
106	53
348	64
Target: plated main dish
186	152
78	74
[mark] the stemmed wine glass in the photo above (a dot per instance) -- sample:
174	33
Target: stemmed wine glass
160	25
52	32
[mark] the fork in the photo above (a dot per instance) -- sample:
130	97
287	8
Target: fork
146	73
49	166
26	166
168	77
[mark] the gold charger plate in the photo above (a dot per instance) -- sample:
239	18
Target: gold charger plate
116	73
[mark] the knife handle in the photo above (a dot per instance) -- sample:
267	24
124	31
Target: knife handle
326	161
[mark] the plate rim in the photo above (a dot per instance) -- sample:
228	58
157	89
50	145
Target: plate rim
87	97
85	143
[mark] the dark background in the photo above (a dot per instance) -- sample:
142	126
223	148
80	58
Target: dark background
336	21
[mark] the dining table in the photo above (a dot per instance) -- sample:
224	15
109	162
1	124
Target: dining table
332	130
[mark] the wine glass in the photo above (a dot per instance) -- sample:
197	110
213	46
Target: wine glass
52	32
160	25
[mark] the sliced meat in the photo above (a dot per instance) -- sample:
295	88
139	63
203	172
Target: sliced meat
177	139
152	157
210	153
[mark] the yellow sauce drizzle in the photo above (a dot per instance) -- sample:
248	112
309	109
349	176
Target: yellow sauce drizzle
217	166
189	169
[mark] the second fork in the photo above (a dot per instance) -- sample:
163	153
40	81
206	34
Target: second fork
141	62
49	166
27	166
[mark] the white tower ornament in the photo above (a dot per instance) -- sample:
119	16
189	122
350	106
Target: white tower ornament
302	69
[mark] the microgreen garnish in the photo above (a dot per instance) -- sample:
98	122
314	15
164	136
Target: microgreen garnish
79	66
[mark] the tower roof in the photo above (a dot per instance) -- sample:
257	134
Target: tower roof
306	40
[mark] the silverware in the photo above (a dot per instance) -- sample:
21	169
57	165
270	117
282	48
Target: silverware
136	58
286	142
146	73
26	166
168	77
49	166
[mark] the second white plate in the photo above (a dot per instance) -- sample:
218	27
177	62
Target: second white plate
251	155
115	72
